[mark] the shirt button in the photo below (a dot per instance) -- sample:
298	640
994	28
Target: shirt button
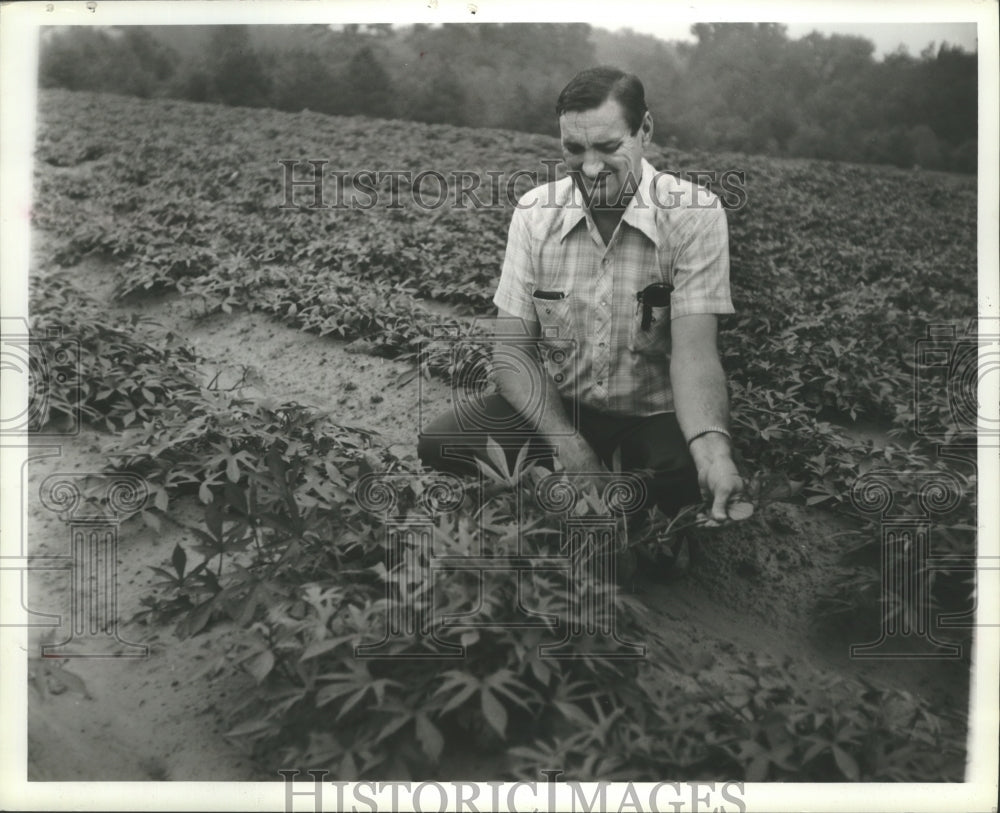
601	344
600	383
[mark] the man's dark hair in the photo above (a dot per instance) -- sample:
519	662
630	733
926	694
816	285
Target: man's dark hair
592	87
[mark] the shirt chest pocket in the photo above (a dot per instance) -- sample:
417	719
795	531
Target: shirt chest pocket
555	317
652	339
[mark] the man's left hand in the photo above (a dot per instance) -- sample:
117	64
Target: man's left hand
721	483
718	476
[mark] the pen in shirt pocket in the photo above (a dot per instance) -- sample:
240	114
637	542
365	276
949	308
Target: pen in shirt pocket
540	294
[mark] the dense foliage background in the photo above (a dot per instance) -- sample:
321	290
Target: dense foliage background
743	87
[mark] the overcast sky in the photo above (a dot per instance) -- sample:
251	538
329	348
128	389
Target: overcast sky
886	36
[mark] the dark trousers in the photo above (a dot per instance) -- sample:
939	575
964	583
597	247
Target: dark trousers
651	444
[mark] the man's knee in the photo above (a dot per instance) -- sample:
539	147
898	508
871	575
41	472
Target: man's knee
432	437
454	439
432	453
428	450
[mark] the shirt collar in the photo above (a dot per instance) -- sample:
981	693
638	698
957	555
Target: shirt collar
640	212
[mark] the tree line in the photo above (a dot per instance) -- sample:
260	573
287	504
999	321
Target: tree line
743	87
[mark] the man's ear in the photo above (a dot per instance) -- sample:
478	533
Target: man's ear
646	129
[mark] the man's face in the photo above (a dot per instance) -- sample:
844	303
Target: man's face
600	152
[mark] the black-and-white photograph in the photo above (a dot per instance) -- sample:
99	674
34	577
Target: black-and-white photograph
419	408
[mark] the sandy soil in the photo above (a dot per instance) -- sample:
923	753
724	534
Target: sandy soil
749	587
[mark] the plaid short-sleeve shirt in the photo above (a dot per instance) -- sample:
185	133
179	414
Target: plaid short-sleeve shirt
558	272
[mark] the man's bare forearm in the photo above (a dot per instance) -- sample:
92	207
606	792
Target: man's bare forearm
522	383
522	392
698	384
701	400
699	388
